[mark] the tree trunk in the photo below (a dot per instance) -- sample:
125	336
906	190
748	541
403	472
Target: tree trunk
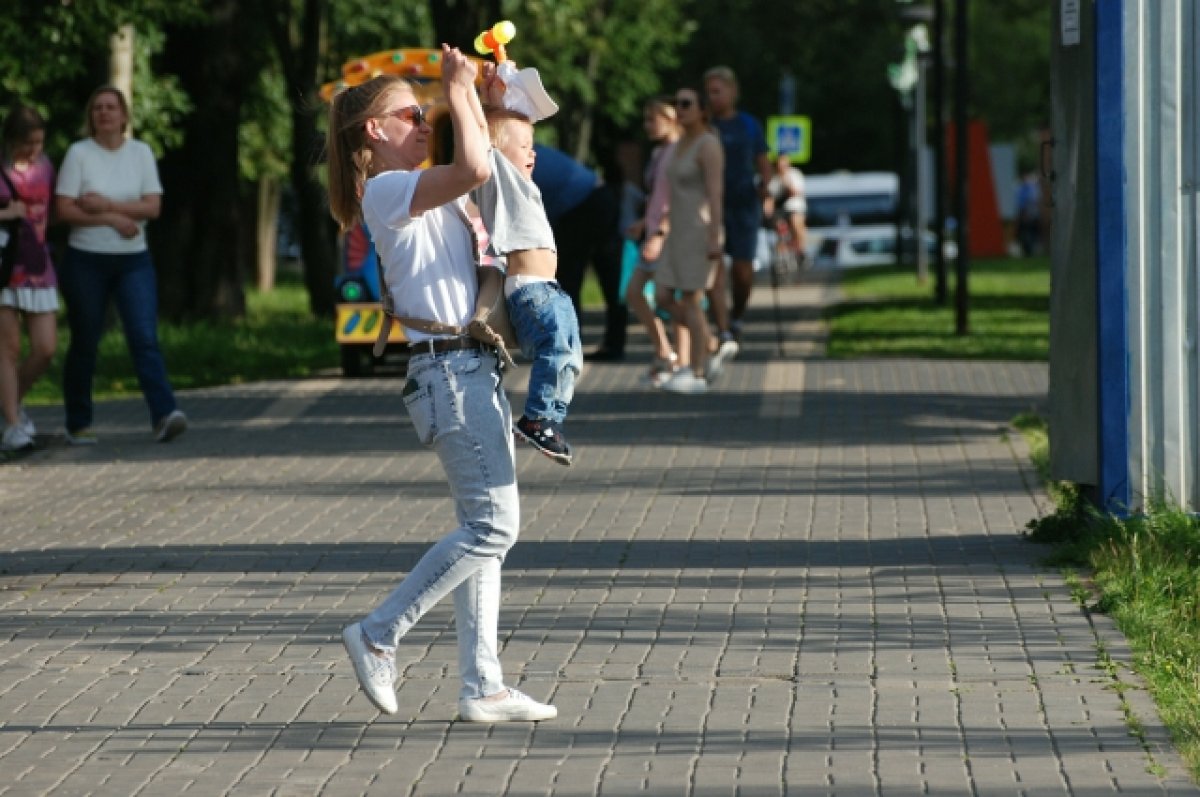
196	240
266	227
585	121
120	61
300	44
315	225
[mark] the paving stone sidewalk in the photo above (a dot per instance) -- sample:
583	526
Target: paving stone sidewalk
809	582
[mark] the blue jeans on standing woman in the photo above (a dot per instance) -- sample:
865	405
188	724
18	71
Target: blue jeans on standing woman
547	328
87	281
459	410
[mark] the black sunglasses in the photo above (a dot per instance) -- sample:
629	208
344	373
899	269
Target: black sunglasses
684	102
414	114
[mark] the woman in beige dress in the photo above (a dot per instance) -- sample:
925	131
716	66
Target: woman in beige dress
694	247
658	120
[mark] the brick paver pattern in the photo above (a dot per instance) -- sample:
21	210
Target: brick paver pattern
810	581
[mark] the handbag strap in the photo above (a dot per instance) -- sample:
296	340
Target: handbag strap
477	329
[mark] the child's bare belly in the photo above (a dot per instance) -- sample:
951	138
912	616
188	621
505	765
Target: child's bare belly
533	263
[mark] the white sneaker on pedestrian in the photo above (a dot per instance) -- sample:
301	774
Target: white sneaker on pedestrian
15	439
685	381
657	380
26	423
516	706
376	674
171	426
725	352
660	371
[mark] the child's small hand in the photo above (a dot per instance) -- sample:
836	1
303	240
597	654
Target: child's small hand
493	86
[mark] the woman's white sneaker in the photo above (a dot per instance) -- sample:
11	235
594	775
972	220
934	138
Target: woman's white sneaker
685	381
15	439
721	357
516	706
376	674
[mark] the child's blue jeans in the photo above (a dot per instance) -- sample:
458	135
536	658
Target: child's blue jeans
544	319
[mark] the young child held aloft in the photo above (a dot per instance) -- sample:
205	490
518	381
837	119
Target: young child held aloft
541	313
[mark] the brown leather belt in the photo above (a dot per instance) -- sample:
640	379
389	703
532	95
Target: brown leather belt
439	345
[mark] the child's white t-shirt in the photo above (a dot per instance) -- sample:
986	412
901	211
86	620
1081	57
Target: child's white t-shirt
512	210
125	174
429	259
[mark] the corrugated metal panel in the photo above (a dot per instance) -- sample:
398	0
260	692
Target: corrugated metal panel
1161	172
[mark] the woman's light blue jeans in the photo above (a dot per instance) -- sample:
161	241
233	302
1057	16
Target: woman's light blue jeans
459	410
87	281
547	328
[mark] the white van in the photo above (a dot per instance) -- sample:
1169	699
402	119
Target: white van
851	218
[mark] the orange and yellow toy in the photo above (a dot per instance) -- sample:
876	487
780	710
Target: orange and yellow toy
492	41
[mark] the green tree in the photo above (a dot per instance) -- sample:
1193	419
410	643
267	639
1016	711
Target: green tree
197	241
837	51
298	31
158	99
1010	71
263	164
53	54
599	60
228	109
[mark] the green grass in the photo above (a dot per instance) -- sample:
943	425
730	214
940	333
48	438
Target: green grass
1145	574
888	313
590	295
278	338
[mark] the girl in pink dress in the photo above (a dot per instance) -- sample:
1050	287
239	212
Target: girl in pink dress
31	290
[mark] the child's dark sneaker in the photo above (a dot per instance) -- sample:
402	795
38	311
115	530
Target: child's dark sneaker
545	437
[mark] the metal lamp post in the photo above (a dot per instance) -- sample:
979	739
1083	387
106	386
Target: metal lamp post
909	79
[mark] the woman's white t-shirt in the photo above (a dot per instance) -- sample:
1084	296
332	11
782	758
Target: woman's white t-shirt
123	175
429	259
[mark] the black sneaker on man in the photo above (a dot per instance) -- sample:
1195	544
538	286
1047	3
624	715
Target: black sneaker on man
543	435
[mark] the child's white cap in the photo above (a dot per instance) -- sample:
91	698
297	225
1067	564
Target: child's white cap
524	92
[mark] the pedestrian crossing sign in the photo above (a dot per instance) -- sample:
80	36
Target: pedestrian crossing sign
791	136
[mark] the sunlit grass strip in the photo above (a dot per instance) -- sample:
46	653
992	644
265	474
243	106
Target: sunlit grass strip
277	339
1145	574
888	313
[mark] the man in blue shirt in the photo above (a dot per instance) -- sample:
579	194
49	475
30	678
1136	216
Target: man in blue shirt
1029	213
745	159
583	215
